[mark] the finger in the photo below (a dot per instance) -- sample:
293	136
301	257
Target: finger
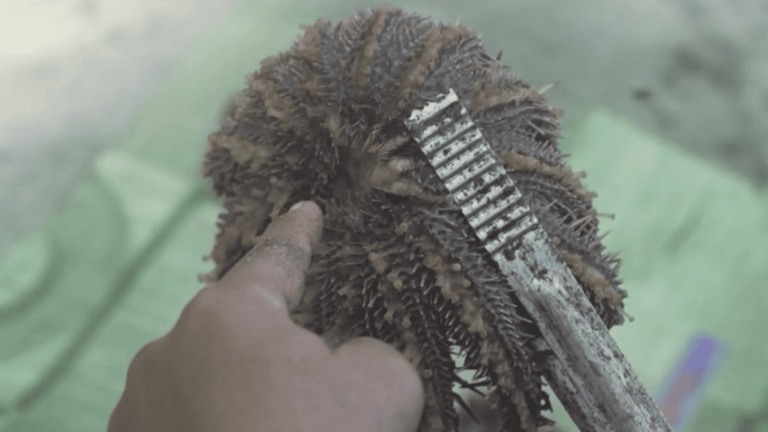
276	265
386	378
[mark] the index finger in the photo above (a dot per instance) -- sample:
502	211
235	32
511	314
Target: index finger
275	267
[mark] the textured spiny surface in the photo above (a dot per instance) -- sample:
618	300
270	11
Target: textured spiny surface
323	121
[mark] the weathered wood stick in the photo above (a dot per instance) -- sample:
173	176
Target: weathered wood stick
588	372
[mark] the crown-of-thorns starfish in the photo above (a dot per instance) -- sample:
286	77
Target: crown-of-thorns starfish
324	121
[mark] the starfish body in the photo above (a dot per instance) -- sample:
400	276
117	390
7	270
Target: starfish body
324	121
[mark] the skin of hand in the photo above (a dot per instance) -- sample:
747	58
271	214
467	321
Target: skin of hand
235	361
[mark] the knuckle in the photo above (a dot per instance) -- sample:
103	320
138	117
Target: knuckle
142	362
202	305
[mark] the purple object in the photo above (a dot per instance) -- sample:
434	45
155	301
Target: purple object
684	388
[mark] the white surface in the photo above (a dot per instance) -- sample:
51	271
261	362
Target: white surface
72	75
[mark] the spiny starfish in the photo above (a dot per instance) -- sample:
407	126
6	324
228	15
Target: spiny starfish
324	121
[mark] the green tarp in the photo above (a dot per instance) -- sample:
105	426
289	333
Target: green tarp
114	269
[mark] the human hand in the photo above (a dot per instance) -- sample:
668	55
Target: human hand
235	361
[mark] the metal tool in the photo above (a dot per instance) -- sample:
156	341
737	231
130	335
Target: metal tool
589	374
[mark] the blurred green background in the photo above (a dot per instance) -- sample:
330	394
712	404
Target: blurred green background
665	107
